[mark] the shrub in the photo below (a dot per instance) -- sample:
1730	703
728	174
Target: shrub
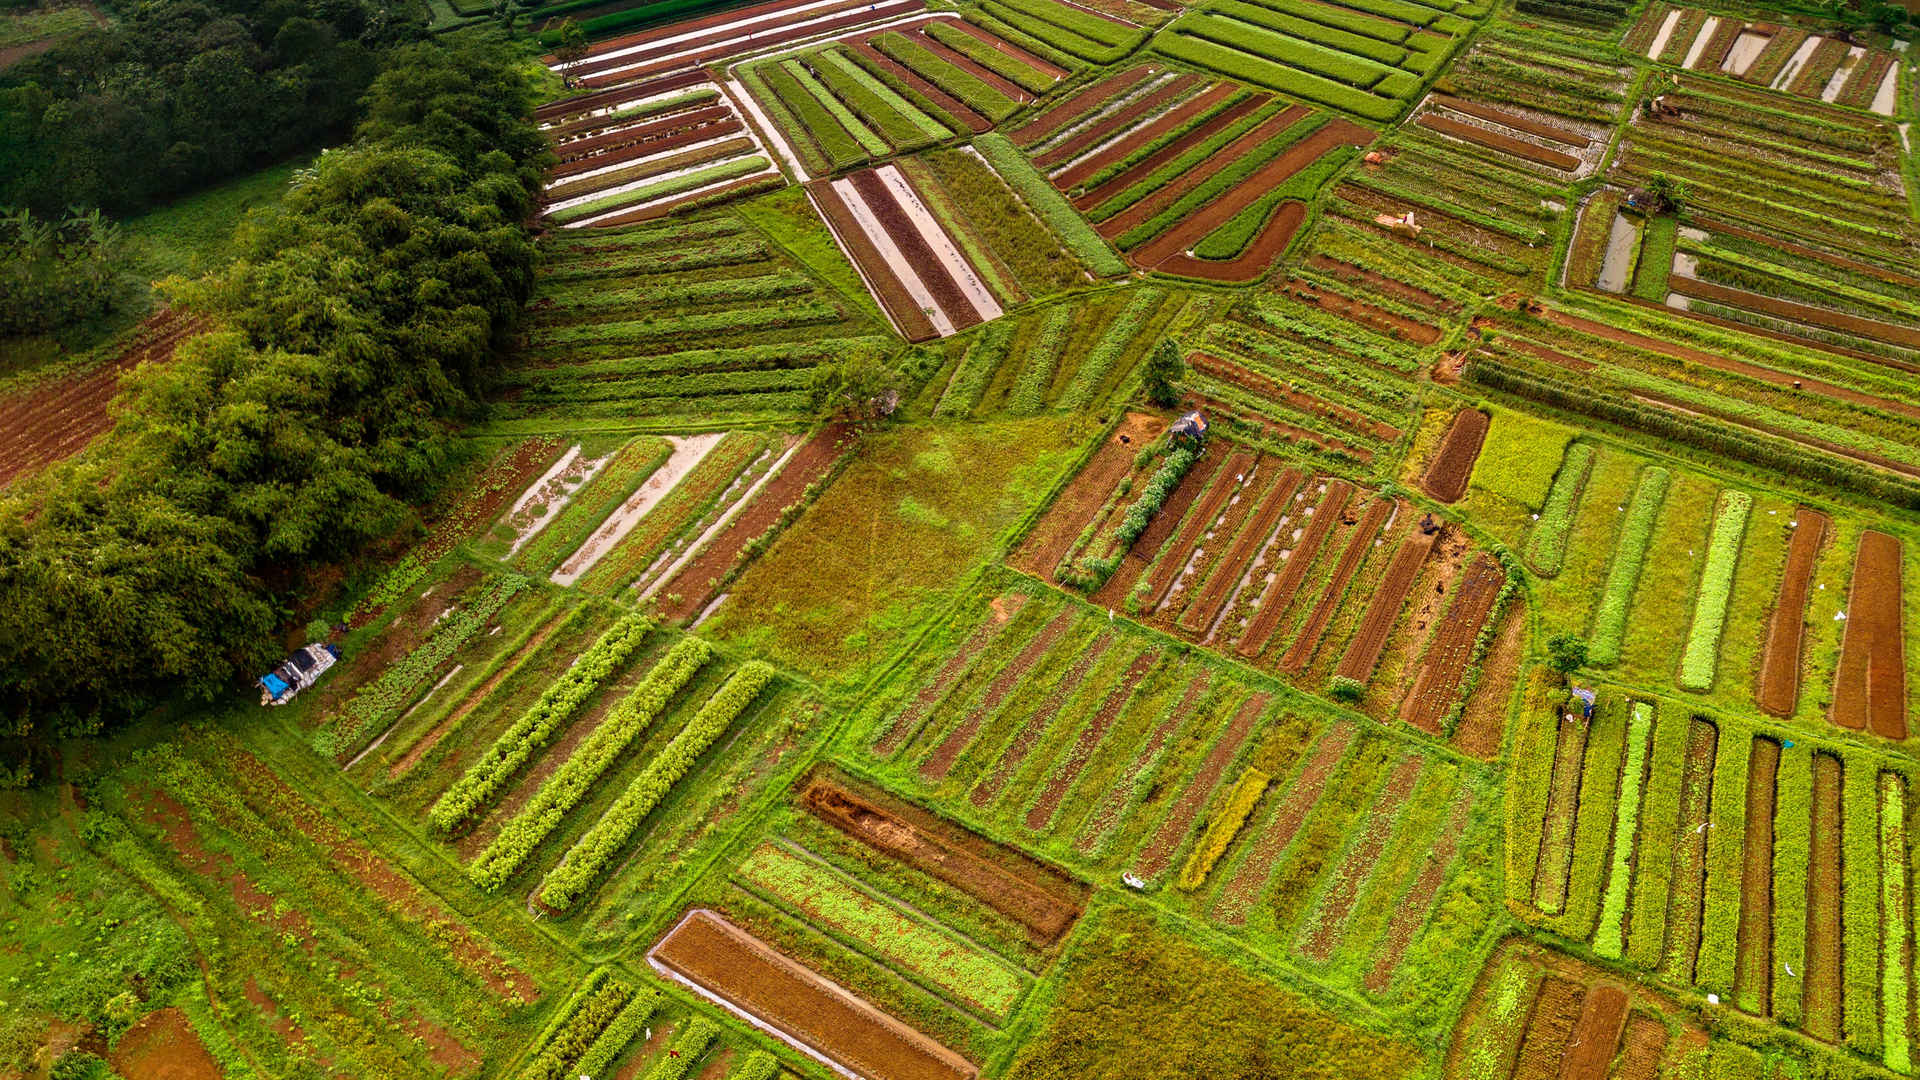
1346	689
1629	554
622	1031
1716	590
1223	827
576	776
688	1048
557	704
591	853
1051	206
1102	557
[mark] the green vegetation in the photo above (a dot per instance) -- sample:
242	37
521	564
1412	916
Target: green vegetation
1629	554
1716	589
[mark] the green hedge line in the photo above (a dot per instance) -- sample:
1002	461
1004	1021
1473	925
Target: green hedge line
1702	655
1180	44
1629	555
1547	543
577	1025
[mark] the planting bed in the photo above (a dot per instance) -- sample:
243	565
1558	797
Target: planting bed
1778	690
1870	687
1452	466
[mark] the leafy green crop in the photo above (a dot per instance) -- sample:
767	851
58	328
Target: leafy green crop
1716	590
1629	553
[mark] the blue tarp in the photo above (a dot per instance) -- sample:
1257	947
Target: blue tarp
275	685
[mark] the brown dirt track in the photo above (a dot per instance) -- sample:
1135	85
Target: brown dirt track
990	785
1445	668
1080	103
1308	640
1158	852
1778	689
1822	990
939	763
1044	900
913	323
58	418
1363	652
785	994
813	461
1753	975
1452	466
1870	687
1279	595
907	724
1330	923
1062	778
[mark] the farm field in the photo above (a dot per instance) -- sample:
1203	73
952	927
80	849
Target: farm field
1044	539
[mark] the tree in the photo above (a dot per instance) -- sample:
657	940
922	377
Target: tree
860	387
572	48
1164	367
1666	194
1566	654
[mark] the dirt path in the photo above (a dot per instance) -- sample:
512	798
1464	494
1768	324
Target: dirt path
1778	688
1687	903
1823	990
688	451
1451	468
907	724
1155	857
1870	687
939	763
1753	975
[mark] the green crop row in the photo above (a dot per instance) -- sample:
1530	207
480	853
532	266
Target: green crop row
1861	886
1070	30
759	1065
1096	557
380	702
905	126
843	909
1181	43
728	251
661	189
538	725
1025	76
1716	590
976	369
870	142
1588	249
1225	824
1354	71
576	1027
1301	25
1219	183
1895	960
1162	138
1656	259
1051	207
757	317
1609	940
889	78
1792	832
644	169
1029	393
1629	554
580	299
688	1048
591	853
1202	151
626	1027
1547	544
575	778
1232	238
972	91
813	123
1098	363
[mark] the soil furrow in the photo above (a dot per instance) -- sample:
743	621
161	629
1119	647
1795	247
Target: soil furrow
940	762
1778	691
1870	687
1061	779
1307	641
907	724
990	785
1753	977
1155	857
1329	926
1279	596
1363	652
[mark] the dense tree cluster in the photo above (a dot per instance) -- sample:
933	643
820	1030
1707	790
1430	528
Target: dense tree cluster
179	93
54	271
359	319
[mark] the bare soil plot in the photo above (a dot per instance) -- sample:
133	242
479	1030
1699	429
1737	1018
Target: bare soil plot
162	1045
1279	595
1822	989
881	278
1778	688
1275	499
1044	900
1054	534
1646	1047
1307	641
1267	245
1383	610
1514	120
1870	687
1157	854
1556	1009
1222	487
1444	671
1753	979
1452	466
1603	1017
907	724
1068	770
799	1004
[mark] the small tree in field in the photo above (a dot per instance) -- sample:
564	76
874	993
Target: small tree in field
1163	368
1667	194
860	387
1566	654
572	48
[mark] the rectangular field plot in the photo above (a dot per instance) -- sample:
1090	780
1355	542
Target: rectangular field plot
1782	58
1367	59
1710	849
1569	77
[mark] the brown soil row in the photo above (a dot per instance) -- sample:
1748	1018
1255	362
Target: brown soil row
1329	927
1134	173
1246	379
939	763
1268	245
1107	815
907	724
1826	318
60	417
893	218
1007	48
1494	140
1515	121
1556	1009
1374	281
1269	425
990	785
695	583
1012	90
1167	570
475	698
1144	550
806	1006
725	37
636	152
1483	717
682	26
1452	466
1250	879
665	209
1307	642
1870	687
1144	134
1459	228
731	45
1170	193
1410	914
1445	668
1230	203
1273	501
1053	535
1563	805
942	100
1279	595
1822	990
1646	1047
643	162
1778	689
574	130
1206	554
1363	652
1120	120
1079	104
1061	779
913	323
586	103
1753	974
1370	316
1597	1034
1158	852
1687	902
593	147
1044	900
162	1045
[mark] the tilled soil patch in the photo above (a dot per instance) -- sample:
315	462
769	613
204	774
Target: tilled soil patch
1119	149
1147	166
1286	583
1079	104
1267	245
1556	1009
1155	857
1452	466
1441	676
1141	555
1054	534
1483	721
1167	570
874	268
1603	1017
1307	642
1329	924
1044	900
1106	128
914	248
1646	1046
1068	769
935	768
162	1045
1383	610
907	724
801	1004
1870	687
1274	500
1515	121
